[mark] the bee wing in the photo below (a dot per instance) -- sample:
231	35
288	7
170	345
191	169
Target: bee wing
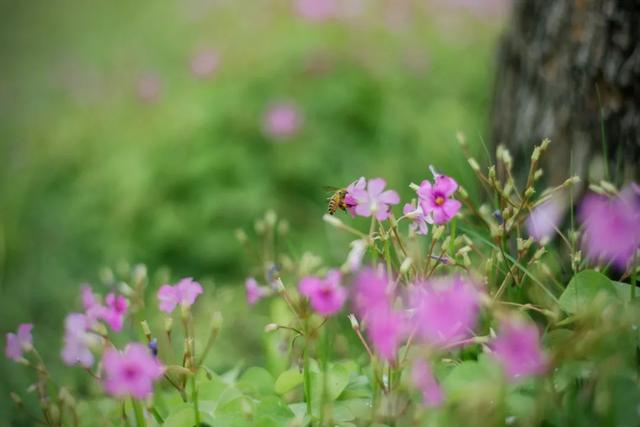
330	188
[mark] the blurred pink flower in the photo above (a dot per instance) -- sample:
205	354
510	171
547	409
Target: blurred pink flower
435	199
281	120
78	340
374	200
418	219
611	226
148	87
184	292
204	63
544	219
255	292
114	311
317	10
349	199
517	348
424	379
446	309
371	291
19	342
326	295
130	373
386	329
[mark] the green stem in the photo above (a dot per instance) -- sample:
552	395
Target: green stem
194	398
325	369
137	410
156	414
307	376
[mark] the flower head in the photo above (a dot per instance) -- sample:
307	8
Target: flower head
386	329
374	200
371	291
114	311
130	373
436	200
446	309
419	220
204	63
326	295
349	199
184	292
281	121
78	340
317	10
611	227
255	292
544	219
19	342
424	379
517	348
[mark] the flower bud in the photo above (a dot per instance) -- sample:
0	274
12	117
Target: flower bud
474	164
463	193
462	139
414	187
538	174
145	329
241	236
260	226
573	181
437	231
216	320
270	218
529	192
271	327
168	324
406	264
330	219
354	321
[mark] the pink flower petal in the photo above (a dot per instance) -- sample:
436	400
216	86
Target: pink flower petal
390	197
445	184
376	186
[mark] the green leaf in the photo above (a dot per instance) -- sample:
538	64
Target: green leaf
583	289
288	380
271	411
256	382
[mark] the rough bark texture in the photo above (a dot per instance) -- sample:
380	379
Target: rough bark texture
560	63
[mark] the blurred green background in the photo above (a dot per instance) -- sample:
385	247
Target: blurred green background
113	148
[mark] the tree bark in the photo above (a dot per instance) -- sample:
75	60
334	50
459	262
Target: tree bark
569	70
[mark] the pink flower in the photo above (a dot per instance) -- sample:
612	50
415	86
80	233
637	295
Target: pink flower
132	372
517	348
375	201
446	309
544	219
19	342
325	295
148	87
371	291
349	199
386	329
281	121
424	379
611	227
419	220
78	340
204	63
184	292
317	10
435	199
114	311
255	292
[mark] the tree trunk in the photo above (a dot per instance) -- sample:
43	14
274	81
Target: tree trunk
569	70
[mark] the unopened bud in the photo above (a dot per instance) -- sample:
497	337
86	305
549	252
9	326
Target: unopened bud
538	254
145	329
463	193
354	321
406	264
106	275
66	398
608	187
414	186
271	327
241	236
538	174
16	399
535	156
545	144
573	181
474	164
260	226
270	218
492	173
168	324
462	139
216	320
437	232
283	227
529	192
330	219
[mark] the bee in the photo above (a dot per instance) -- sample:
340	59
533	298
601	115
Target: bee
337	200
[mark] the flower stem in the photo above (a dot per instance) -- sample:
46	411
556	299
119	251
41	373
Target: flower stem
194	398
137	410
307	376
